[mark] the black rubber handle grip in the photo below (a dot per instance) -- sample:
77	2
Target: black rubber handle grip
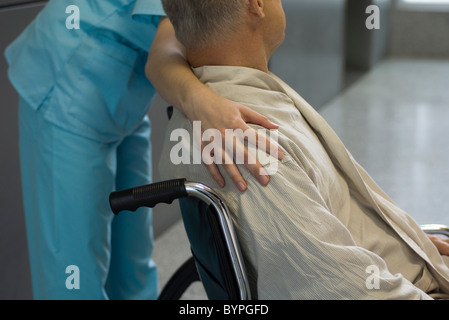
147	196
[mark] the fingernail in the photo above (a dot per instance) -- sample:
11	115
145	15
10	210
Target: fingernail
221	183
241	186
280	154
264	179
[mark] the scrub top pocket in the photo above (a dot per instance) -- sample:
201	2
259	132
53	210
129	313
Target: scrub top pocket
103	93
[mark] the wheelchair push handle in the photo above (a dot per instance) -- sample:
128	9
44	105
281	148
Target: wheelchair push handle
147	196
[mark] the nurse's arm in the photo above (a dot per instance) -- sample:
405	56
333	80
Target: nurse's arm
174	80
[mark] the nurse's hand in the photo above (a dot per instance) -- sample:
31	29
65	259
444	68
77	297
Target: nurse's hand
174	80
221	114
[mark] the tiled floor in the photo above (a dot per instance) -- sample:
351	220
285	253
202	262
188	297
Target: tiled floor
395	122
171	251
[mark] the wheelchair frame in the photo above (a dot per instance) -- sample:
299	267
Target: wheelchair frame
237	286
166	192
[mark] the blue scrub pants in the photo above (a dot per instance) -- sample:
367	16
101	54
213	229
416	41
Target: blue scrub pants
66	181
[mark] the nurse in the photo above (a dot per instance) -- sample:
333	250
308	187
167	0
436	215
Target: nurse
84	133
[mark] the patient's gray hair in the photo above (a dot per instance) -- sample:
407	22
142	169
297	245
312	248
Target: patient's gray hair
199	23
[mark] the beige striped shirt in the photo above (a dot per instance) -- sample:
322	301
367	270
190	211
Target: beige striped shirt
321	227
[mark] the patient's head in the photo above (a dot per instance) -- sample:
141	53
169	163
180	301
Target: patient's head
199	23
234	26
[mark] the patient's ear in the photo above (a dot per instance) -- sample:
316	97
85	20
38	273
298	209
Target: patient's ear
256	7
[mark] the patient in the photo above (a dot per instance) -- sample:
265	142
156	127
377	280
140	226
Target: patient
321	229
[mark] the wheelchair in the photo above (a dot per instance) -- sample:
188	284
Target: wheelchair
216	257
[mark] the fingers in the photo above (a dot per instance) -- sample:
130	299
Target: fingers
242	155
263	143
228	126
233	172
442	244
251	116
217	154
268	145
215	174
231	152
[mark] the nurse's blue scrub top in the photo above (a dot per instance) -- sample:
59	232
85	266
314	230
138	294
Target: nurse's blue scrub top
102	63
